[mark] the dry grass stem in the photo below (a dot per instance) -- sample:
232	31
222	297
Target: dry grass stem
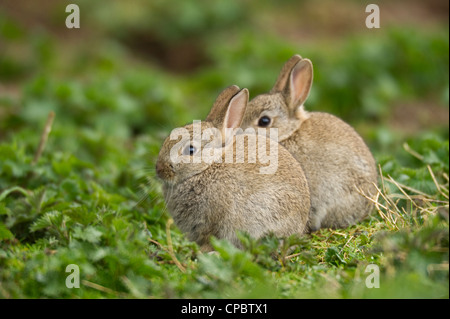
420	203
169	242
44	137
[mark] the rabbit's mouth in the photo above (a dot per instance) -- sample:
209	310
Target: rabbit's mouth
165	171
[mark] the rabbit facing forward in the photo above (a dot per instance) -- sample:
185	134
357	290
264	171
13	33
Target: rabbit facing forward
213	196
334	157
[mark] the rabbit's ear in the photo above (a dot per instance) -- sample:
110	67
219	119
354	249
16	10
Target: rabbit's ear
235	112
217	113
300	82
283	78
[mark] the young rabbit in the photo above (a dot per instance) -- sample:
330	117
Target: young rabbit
334	157
215	197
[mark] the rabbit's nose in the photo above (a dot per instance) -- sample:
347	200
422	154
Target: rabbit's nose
159	169
164	170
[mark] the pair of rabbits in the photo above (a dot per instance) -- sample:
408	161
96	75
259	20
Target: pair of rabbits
323	164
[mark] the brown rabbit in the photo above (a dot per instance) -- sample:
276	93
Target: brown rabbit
334	157
215	197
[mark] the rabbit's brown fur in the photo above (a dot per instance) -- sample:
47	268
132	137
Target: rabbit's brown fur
219	199
334	157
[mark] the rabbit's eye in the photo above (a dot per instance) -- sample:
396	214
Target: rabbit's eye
264	121
189	150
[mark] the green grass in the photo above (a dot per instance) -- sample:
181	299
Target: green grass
92	199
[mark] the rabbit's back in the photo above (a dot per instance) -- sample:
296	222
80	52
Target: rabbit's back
336	161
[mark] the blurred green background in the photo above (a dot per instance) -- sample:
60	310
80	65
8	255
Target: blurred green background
134	71
135	68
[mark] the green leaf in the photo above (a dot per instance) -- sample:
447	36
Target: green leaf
90	234
19	189
5	233
49	219
333	256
